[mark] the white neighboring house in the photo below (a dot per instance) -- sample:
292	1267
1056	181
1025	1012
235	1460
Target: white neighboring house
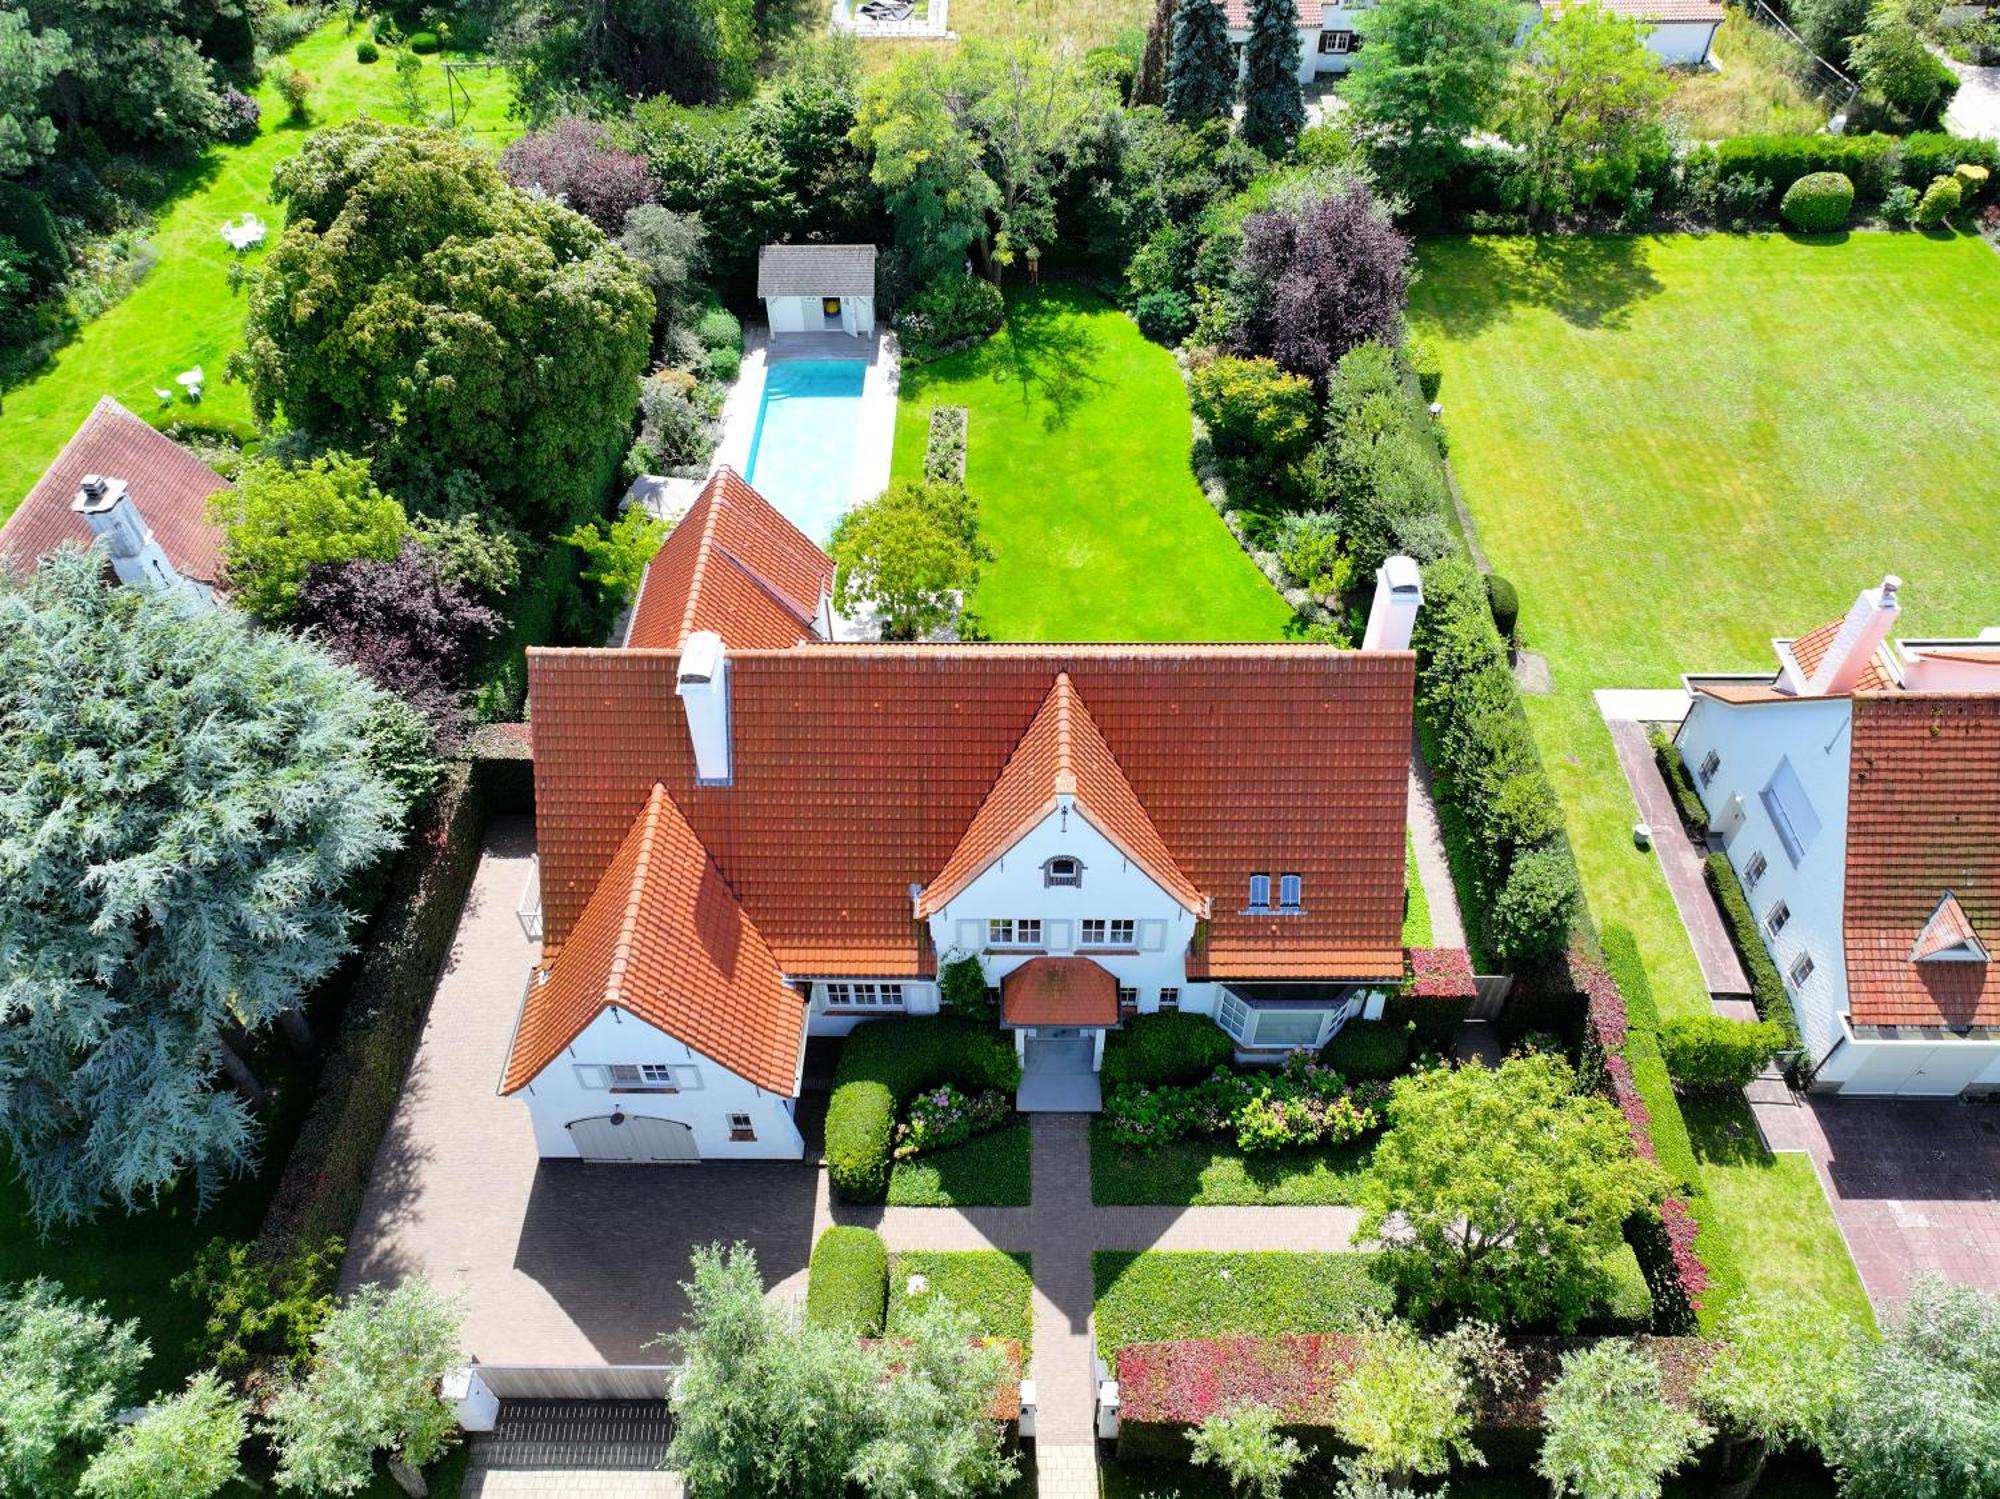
751	833
1680	31
818	288
1857	794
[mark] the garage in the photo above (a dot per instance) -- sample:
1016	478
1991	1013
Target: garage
636	1138
1927	1068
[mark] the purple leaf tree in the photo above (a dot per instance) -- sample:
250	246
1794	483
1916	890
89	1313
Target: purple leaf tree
574	161
1318	277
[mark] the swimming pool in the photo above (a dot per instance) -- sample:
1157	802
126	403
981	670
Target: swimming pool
802	454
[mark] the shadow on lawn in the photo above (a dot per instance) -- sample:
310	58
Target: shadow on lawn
1051	353
1723	1131
1589	280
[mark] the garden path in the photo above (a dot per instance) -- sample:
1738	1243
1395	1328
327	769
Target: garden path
1433	869
1060	1230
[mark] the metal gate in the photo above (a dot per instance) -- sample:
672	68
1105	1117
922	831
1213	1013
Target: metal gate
633	1137
1491	991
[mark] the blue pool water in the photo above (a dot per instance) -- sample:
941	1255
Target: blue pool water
802	455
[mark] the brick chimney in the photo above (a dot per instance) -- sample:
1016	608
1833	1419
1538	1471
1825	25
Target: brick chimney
107	506
1399	593
703	688
1861	634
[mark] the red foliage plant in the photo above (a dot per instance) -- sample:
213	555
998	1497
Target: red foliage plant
1322	275
574	162
1441	973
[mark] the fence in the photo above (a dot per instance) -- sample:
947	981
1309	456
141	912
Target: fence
1806	67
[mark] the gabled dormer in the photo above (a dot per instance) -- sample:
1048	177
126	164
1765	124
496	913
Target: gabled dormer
1948	936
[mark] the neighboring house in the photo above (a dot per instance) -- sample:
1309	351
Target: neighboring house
749	835
818	288
1857	793
142	492
1680	31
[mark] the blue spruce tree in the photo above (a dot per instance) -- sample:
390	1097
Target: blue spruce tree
1274	112
1201	72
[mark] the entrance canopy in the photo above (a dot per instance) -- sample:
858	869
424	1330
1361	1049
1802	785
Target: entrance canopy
1059	991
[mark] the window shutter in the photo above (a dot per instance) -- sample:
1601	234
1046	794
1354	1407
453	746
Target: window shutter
592	1077
972	936
1152	935
688	1079
1059	935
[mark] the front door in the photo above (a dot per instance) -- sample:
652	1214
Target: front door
633	1137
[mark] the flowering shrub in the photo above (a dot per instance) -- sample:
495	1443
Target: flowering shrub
1305	1104
942	1117
239	114
1441	973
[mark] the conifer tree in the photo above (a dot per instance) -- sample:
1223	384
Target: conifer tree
1274	111
1150	87
1201	72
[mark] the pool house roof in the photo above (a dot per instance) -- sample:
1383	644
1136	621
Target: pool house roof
816	271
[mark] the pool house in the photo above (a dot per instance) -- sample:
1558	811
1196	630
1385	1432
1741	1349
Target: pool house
818	289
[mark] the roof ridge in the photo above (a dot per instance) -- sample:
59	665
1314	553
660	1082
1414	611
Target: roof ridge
621	950
711	495
1064	693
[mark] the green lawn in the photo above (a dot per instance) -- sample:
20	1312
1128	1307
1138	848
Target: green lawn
994	1286
1212	1173
1416	904
1680	446
1152	1295
991	1171
184	312
1078	455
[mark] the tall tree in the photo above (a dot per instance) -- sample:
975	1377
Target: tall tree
1611	1431
1429	74
1787	1368
1150	87
415	307
1201	70
184	801
1319	273
66	1369
929	166
1584	100
1274	109
136	68
1037	111
184	1447
29	62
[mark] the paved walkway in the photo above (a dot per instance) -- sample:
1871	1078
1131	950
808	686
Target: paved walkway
1975	109
1680	860
1433	869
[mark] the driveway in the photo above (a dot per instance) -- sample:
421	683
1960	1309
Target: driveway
1975	110
1914	1185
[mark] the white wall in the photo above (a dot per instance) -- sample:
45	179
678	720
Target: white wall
804	315
920	997
1751	739
1920	1067
1113	888
558	1095
1312	62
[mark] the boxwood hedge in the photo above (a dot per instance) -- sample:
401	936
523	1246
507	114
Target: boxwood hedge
885	1061
1170	1047
1767	990
847	1285
1364	1049
1818	202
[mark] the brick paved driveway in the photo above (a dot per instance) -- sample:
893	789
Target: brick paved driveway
1915	1185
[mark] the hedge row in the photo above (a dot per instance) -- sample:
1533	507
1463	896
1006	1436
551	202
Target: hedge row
1673	770
319	1194
1767	990
847	1285
882	1064
1874	163
1437	996
1173	1046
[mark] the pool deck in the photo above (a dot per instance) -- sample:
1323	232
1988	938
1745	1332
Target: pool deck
875	440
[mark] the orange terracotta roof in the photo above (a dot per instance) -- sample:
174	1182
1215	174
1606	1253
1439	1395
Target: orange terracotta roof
1923	818
733	565
1059	991
1062	754
1656	12
858	770
1810	649
1309	14
168	483
663	938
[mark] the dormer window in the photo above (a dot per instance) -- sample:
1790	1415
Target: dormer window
1291	890
1063	870
1260	892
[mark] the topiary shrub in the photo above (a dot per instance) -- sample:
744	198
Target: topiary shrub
1818	203
719	328
1531	915
1505	602
366	52
847	1286
1427	365
1364	1049
423	41
1940	201
882	1064
1972	180
1170	1047
1714	1054
1163	316
953	312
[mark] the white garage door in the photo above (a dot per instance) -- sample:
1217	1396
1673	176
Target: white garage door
1916	1071
633	1137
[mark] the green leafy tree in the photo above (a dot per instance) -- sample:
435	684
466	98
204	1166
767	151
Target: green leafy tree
616	552
929	166
1892	62
1583	104
1408	1404
282	519
1245	1443
189	802
1429	74
1611	1433
258	1314
666	247
1787	1367
1501	1192
932	1434
30	60
1828	25
1201	69
1036	110
416	308
66	1369
473	553
911	554
1924	1421
134	69
184	1447
1274	109
377	1368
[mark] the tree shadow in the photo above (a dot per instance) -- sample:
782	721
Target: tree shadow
1050	353
1722	1130
1587	280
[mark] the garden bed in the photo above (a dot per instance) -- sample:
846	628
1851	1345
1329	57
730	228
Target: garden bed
991	1171
996	1287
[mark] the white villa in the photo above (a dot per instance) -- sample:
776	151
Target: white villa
751	833
1857	793
818	288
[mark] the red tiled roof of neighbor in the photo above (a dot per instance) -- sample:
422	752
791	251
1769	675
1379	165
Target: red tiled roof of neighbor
734	565
1310	14
1656	12
1062	754
1810	649
663	938
1923	818
1059	991
168	483
857	771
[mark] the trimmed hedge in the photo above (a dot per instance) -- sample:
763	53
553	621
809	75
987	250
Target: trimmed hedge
319	1194
1767	990
1933	153
847	1286
1505	601
1621	957
1437	996
1364	1049
1714	1054
1627	1306
503	767
882	1064
1818	202
1170	1047
1868	161
1943	198
1673	770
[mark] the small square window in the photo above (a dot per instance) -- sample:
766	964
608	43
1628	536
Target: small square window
1000	933
1710	764
1170	998
1291	890
1124	933
1260	892
1128	999
1095	933
1774	921
741	1127
1754	870
1802	967
1028	933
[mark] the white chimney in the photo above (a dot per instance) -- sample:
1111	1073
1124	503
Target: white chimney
113	516
1399	593
703	689
1861	634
